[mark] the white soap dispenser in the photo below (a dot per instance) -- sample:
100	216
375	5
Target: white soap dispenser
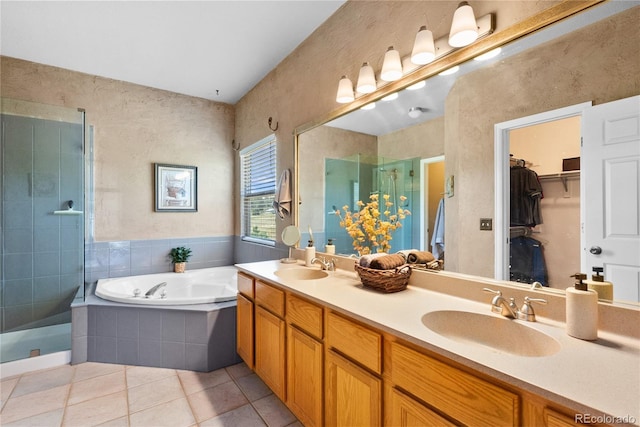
309	254
330	248
601	286
582	310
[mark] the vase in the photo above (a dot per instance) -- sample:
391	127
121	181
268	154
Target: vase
179	267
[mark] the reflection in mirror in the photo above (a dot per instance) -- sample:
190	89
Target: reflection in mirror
290	237
591	56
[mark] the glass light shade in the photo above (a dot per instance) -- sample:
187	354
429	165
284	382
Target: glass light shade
491	54
366	79
424	50
345	91
369	106
417	86
449	71
390	97
464	29
392	66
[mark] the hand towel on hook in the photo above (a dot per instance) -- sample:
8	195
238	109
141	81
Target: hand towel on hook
282	202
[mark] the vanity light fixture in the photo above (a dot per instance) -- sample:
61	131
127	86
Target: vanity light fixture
415	112
390	97
366	79
464	29
392	66
345	91
417	86
424	49
450	71
369	106
488	55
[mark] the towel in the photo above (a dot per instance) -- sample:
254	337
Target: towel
420	257
282	201
365	260
387	262
437	241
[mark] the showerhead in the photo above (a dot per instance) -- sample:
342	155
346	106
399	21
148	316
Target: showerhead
415	112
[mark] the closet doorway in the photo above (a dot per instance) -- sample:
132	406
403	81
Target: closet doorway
548	248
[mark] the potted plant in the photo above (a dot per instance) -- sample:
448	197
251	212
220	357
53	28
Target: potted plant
179	257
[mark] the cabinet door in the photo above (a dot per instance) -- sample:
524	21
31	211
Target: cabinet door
270	351
244	330
403	411
304	377
353	397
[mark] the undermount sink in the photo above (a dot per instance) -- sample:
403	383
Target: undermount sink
301	274
498	333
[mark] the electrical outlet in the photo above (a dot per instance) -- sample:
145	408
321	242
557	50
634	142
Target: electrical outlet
486	224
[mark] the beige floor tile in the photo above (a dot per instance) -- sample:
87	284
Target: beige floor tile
253	387
239	370
176	413
88	370
152	394
138	375
32	404
273	411
43	380
6	387
96	387
96	411
118	422
244	416
48	419
197	381
216	400
296	424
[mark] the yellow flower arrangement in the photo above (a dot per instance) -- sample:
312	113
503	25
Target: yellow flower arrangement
369	228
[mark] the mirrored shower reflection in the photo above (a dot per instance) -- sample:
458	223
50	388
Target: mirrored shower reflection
42	251
356	178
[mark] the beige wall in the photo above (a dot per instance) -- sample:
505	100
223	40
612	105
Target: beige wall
136	126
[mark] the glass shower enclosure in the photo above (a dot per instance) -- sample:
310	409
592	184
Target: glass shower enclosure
42	220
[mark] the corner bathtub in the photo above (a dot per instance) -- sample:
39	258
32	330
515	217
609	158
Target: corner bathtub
202	286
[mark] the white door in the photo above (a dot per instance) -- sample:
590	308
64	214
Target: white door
611	193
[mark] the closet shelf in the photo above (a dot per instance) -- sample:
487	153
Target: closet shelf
563	176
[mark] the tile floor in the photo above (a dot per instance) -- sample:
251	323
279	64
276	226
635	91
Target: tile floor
100	394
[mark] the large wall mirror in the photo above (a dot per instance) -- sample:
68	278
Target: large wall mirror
442	151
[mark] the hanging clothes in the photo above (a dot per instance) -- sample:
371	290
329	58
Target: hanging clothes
526	193
526	261
437	240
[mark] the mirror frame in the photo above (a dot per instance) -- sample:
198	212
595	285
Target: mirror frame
540	20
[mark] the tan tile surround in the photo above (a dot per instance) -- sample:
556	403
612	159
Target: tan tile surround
99	394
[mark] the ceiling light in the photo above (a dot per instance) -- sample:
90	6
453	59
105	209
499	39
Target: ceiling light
424	50
369	106
391	97
366	79
392	66
491	54
464	29
415	112
417	86
451	70
345	91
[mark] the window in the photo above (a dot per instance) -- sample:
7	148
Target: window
257	191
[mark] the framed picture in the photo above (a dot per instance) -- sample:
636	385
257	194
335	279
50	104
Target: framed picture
176	188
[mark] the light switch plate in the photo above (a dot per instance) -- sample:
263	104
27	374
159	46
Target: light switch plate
486	224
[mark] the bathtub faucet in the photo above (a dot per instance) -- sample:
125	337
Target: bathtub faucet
151	292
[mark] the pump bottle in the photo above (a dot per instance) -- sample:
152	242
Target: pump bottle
582	310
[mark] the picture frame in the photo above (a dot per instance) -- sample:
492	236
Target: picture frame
176	188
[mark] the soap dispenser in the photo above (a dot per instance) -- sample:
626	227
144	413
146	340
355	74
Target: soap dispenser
582	310
601	286
309	254
330	248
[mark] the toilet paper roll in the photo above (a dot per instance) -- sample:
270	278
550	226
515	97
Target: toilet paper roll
582	314
604	289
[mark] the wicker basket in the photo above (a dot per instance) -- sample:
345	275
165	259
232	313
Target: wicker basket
384	280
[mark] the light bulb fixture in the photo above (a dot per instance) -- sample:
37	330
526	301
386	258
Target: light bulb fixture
451	70
464	29
369	106
366	79
392	66
491	54
390	97
345	91
415	112
418	85
424	50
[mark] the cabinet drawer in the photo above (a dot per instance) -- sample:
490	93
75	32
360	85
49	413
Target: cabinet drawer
403	411
464	397
270	298
359	343
305	315
245	285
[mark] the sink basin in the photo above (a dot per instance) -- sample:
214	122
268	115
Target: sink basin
497	333
301	274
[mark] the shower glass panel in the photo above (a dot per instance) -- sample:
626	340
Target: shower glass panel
355	178
42	204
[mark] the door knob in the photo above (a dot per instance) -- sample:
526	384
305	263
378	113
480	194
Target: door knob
596	250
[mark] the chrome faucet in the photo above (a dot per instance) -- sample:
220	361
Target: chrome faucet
151	292
329	265
500	305
526	312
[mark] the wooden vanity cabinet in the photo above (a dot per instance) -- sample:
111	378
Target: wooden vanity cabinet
245	319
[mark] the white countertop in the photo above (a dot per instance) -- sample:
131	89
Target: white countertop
599	377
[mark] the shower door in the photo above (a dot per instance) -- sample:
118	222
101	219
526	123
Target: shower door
42	251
